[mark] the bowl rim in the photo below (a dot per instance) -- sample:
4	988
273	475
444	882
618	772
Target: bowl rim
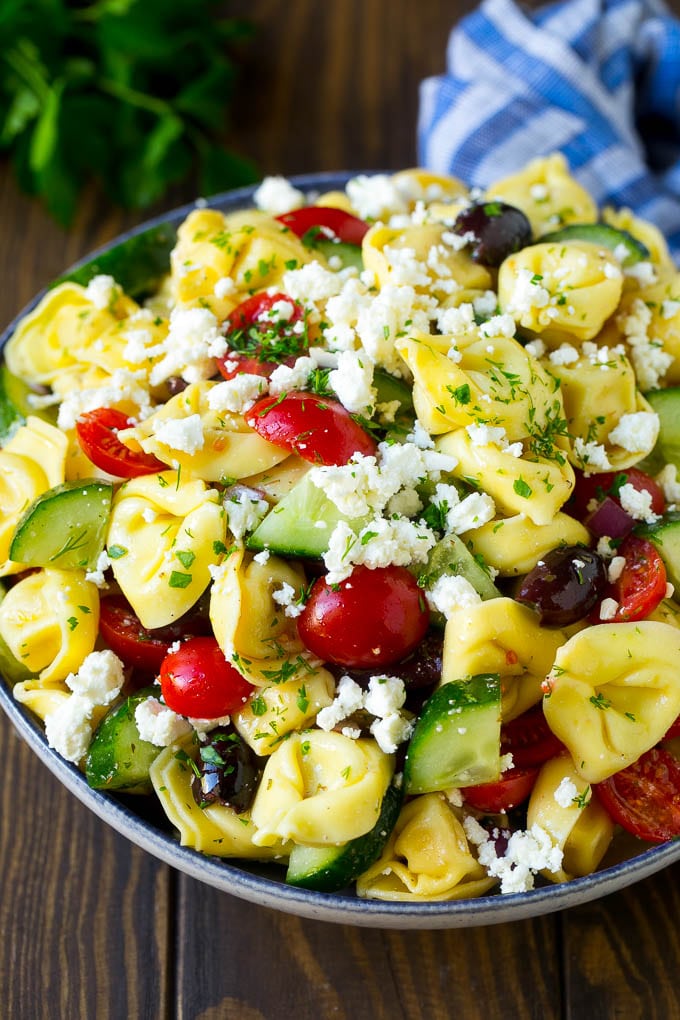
236	878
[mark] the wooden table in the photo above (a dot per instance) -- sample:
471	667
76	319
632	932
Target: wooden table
91	926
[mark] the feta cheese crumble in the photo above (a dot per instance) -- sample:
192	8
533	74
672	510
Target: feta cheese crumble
159	724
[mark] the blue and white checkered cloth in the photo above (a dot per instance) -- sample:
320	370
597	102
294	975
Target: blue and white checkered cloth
598	80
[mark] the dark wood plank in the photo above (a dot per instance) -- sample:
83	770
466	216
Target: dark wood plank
242	962
621	954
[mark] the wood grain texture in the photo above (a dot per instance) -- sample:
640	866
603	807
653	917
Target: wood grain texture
94	928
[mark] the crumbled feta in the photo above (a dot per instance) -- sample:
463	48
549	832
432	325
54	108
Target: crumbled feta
499	326
276	196
69	727
122	387
287	597
237	394
536	348
96	574
527	853
291	377
159	724
262	557
650	361
615	568
669	482
669	308
99	677
390	731
385	695
643	272
244	513
190	348
352	381
608	609
637	503
527	293
636	432
381	543
376	195
564	355
605	549
349	698
203	726
591	455
566	792
102	291
182	434
451	592
224	287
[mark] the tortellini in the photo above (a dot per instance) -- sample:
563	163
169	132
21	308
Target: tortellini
547	194
163	537
514	545
501	636
21	481
648	322
427	857
216	830
560	290
49	620
204	442
563	805
45	445
280	708
251	627
613	692
321	788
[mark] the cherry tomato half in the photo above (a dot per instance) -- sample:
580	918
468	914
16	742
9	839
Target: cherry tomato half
336	222
197	681
508	792
260	338
645	797
597	487
136	645
673	730
529	739
97	433
641	585
372	618
320	430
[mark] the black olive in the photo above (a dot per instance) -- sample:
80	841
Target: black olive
494	230
229	771
421	669
565	585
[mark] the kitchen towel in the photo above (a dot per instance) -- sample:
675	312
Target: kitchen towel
598	80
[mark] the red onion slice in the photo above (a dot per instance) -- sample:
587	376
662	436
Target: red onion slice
609	518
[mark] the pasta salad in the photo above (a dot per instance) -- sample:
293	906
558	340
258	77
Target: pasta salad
347	527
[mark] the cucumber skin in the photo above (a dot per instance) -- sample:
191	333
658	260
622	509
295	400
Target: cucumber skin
29	530
137	264
14	406
118	758
665	536
666	403
330	869
437	729
600	233
451	556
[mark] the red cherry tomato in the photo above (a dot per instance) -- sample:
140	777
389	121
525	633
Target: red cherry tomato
259	338
529	739
197	680
372	618
334	222
97	433
136	645
592	489
641	585
320	430
673	731
508	792
645	797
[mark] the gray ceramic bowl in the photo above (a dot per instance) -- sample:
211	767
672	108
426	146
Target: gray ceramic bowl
138	819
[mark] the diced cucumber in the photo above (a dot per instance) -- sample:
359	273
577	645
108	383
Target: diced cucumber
65	527
603	234
388	389
666	403
330	869
451	556
300	524
349	254
14	405
665	535
118	758
137	264
456	741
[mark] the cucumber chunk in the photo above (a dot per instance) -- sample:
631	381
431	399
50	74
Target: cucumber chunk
665	535
330	869
456	741
349	254
666	403
118	758
300	524
388	389
14	405
605	235
65	527
137	264
451	556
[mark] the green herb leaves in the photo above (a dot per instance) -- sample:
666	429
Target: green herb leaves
132	93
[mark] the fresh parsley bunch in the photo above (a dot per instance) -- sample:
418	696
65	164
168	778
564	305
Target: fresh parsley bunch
132	93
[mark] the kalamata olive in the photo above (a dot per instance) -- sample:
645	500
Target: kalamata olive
176	384
494	230
421	669
229	771
565	585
